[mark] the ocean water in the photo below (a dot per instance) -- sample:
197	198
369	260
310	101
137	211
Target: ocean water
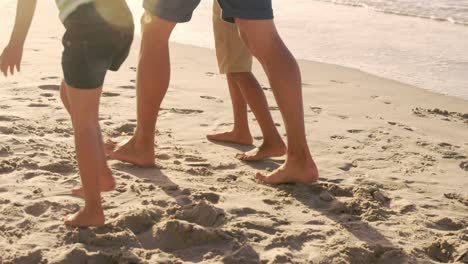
419	42
454	11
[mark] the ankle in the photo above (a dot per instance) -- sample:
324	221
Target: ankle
241	132
299	155
142	140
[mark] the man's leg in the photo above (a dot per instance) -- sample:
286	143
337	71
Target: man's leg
152	83
89	153
235	60
240	133
106	181
262	39
273	145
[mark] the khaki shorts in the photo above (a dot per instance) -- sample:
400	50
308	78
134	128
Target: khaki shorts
232	54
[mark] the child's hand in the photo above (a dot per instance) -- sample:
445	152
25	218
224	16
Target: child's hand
11	59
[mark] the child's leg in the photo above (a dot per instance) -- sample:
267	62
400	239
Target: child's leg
252	92
89	152
240	133
107	181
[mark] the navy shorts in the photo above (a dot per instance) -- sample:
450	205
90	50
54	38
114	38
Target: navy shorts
181	10
92	47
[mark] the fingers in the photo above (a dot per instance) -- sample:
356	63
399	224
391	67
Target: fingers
3	67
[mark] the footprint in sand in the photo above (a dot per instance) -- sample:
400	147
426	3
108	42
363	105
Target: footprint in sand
464	165
211	98
139	220
110	94
174	235
6	130
49	87
50	78
126	128
203	214
7	118
338	137
264	88
354	131
316	110
47	95
446	224
199	171
441	250
346	166
443	114
456	197
38	105
209	196
182	111
37	209
337	81
342	117
61	166
128	87
210	74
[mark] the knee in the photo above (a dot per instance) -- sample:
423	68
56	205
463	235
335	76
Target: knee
258	37
156	29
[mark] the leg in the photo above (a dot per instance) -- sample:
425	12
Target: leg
89	153
273	145
263	41
106	181
152	83
240	133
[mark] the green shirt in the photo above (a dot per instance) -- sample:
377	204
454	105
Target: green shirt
66	7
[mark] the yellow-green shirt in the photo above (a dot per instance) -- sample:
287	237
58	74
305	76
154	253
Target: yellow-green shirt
66	7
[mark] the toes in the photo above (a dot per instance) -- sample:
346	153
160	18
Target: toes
262	178
68	220
78	192
110	144
241	156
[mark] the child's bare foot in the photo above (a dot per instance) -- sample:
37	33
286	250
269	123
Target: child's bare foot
85	218
263	152
232	137
127	151
106	184
301	170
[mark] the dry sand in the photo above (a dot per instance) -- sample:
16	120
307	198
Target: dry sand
393	186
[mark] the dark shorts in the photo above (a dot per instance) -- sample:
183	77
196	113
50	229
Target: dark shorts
92	47
181	10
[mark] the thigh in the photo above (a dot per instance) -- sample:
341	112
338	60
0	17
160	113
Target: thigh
122	50
89	44
178	11
85	63
85	104
232	54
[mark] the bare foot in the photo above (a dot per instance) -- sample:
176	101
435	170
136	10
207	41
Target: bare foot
263	152
127	151
294	170
232	137
85	218
106	184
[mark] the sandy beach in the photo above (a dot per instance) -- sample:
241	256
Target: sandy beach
393	161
